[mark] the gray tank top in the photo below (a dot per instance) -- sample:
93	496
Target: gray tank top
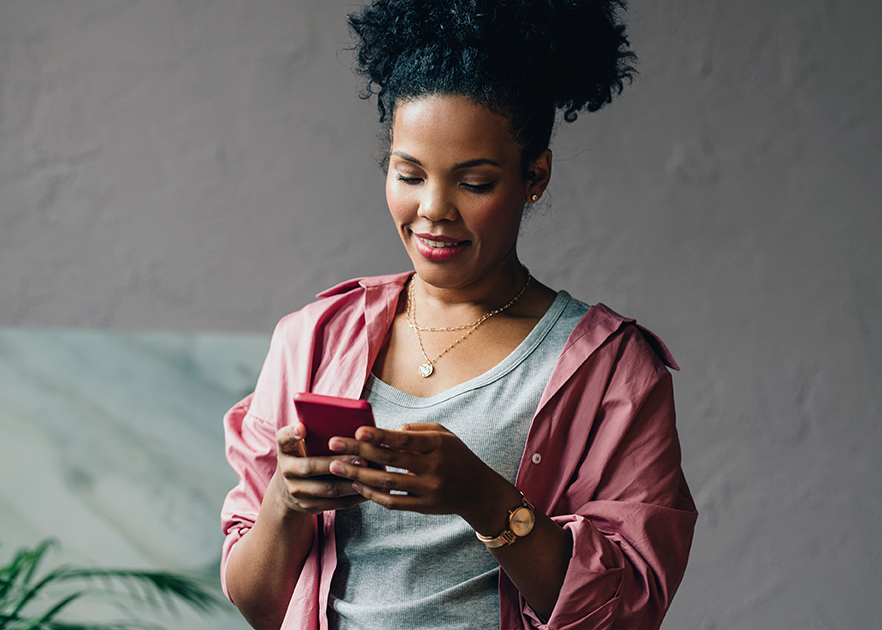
413	571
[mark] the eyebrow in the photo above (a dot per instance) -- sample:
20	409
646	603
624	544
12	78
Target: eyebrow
456	167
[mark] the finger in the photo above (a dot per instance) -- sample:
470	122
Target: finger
371	476
299	468
377	454
413	441
422	426
321	493
316	505
381	480
325	487
392	501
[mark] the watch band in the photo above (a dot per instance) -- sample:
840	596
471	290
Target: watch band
518	526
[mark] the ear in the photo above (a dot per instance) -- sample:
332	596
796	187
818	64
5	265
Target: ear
539	174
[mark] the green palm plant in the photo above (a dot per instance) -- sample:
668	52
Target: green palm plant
31	599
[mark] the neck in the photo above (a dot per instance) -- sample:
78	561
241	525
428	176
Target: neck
446	305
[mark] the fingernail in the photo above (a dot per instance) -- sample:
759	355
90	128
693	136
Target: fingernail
336	445
336	467
356	486
358	462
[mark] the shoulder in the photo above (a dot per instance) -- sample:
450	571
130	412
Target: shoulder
324	344
603	326
607	347
352	297
640	335
366	283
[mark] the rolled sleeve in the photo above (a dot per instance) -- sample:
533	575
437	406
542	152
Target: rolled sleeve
251	452
592	588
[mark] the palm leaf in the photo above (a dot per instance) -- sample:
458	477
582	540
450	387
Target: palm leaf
23	591
27	561
41	621
27	595
188	589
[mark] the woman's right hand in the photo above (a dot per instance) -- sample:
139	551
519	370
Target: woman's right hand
264	566
305	484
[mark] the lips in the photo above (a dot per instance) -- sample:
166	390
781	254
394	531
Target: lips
437	247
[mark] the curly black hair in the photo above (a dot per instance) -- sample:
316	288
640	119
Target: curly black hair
522	58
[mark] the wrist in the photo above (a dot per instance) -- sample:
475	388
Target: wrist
492	516
519	522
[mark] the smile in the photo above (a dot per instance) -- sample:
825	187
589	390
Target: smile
438	248
438	244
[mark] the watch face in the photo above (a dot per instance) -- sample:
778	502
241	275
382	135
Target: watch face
522	520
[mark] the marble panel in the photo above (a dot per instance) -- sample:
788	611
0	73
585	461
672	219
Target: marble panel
112	443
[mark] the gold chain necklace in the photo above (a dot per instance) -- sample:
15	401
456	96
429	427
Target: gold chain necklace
427	368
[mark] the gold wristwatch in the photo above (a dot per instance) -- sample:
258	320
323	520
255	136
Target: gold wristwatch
520	523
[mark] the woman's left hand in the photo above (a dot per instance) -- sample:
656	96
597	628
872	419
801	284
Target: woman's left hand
443	476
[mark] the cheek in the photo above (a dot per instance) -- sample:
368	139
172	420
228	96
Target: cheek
500	216
397	202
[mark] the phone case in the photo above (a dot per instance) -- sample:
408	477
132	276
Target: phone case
329	416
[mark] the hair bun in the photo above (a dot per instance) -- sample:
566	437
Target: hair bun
573	53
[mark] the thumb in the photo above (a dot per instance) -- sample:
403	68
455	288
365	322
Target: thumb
290	439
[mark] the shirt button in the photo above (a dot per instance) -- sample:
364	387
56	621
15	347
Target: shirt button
537	458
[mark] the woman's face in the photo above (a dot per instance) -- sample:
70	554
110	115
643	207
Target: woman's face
456	190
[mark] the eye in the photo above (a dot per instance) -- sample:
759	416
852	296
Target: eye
479	188
408	180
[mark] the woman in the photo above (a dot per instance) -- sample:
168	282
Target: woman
532	464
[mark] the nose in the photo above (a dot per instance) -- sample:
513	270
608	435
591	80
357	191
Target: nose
438	203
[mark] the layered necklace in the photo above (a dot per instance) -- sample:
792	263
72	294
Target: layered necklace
427	368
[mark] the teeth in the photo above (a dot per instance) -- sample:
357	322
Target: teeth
438	244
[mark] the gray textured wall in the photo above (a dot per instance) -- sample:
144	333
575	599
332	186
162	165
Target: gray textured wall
205	165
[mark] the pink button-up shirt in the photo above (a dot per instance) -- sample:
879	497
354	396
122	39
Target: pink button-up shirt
602	458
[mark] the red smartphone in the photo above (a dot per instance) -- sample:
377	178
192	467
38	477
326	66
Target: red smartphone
329	416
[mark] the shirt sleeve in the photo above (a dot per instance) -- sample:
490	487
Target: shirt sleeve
250	429
627	506
251	452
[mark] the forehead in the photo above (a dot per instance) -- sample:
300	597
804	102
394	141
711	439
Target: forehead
452	128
